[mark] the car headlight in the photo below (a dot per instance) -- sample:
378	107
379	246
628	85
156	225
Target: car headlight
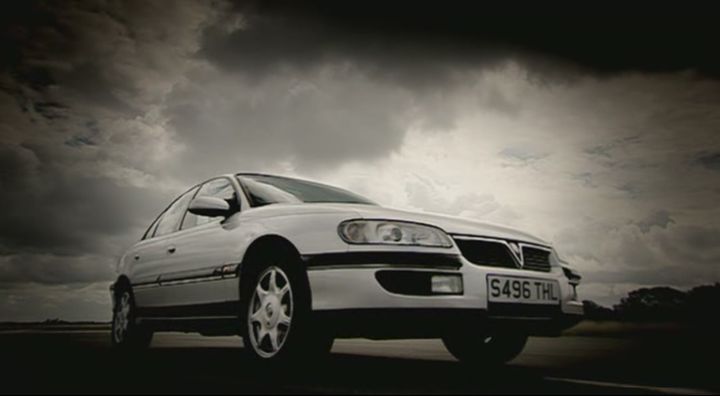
388	232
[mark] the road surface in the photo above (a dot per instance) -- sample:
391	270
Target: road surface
82	361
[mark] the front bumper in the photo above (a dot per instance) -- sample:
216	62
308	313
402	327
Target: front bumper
351	293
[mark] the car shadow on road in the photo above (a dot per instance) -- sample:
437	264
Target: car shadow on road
43	365
216	370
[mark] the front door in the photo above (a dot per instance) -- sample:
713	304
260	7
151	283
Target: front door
198	277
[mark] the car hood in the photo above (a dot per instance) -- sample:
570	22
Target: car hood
450	224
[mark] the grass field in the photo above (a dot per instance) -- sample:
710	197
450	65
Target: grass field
589	328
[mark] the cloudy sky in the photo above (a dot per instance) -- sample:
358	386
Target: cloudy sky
597	132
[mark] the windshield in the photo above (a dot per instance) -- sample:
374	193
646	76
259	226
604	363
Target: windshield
266	190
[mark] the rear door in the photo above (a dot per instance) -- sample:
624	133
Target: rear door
152	255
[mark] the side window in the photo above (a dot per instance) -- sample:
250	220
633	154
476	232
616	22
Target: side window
220	188
173	214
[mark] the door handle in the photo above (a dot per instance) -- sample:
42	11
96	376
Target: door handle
171	249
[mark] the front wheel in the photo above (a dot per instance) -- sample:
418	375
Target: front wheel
487	350
278	324
270	313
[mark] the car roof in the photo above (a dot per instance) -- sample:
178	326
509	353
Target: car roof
281	177
257	174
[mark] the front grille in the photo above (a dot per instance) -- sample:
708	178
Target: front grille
487	253
492	253
535	259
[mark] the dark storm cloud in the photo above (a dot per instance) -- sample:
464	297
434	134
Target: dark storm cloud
60	226
286	60
422	48
46	269
77	81
266	43
708	160
603	40
69	214
317	87
330	119
630	256
660	218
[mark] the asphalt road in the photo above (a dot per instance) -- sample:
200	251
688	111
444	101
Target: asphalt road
82	362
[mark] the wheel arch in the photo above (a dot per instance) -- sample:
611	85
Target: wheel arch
120	283
268	244
263	244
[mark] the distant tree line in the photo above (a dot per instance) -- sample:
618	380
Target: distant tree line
700	305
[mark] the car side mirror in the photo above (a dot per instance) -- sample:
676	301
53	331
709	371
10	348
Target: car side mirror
209	206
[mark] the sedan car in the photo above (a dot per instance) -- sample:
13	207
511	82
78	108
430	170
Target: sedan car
290	265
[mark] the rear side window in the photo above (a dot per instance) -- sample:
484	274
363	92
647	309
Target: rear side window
170	219
220	188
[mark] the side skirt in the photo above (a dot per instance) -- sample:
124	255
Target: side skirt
207	319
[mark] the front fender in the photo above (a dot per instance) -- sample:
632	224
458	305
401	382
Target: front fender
309	233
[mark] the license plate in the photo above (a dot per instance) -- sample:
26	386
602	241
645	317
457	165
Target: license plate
510	289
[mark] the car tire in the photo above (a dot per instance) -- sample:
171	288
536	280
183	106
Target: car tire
490	350
276	314
126	334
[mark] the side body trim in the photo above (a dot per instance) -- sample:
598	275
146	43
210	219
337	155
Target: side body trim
193	276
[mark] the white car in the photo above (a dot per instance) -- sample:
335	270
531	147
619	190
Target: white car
290	265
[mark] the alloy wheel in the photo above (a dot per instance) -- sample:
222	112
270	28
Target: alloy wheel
270	313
